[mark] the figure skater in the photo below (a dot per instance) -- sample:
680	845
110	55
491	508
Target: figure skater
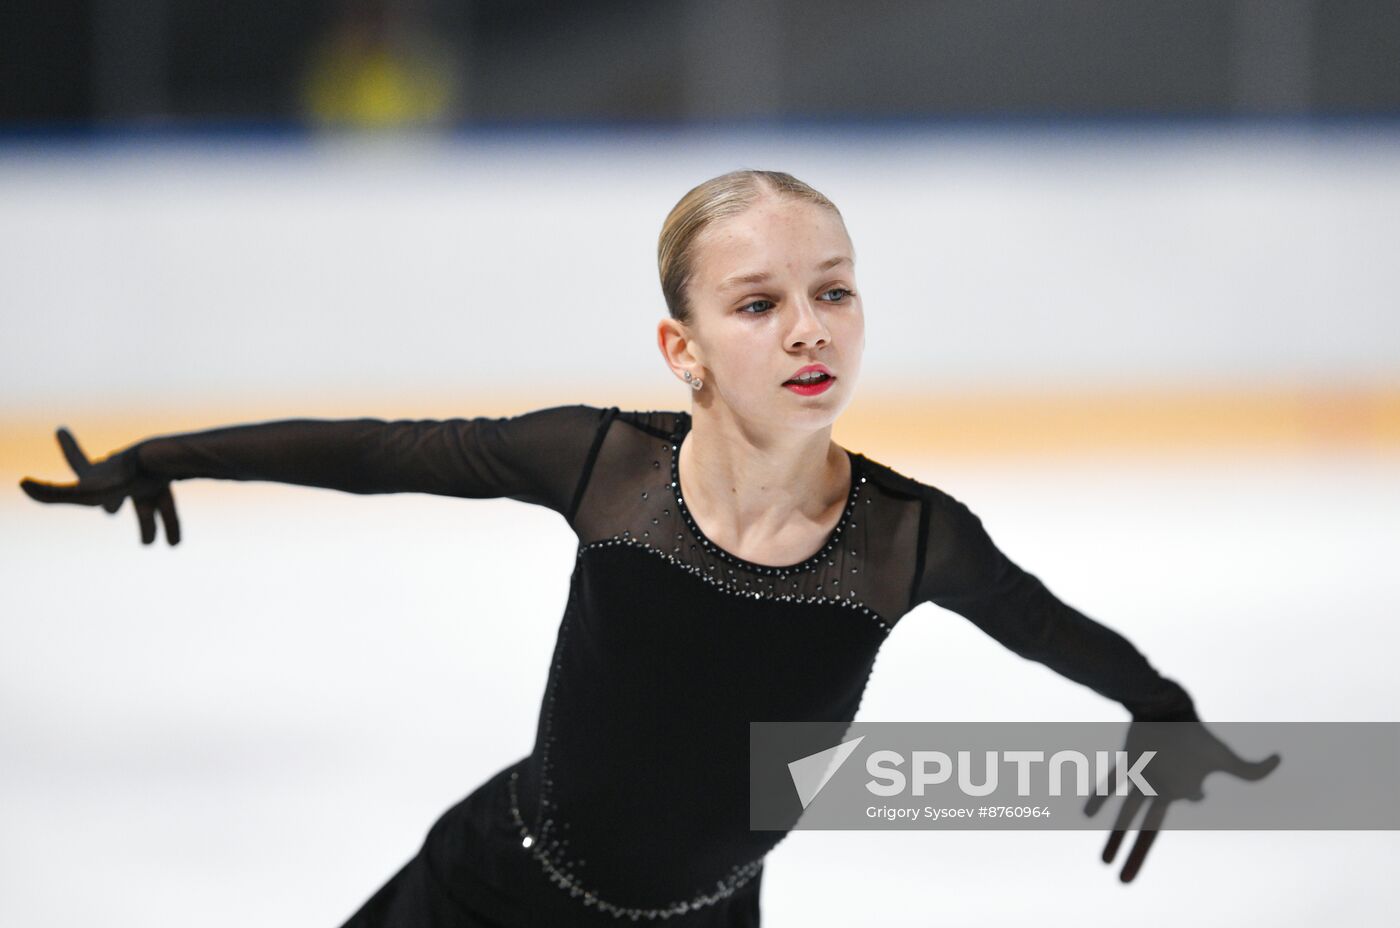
733	564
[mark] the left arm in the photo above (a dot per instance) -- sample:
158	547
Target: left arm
963	570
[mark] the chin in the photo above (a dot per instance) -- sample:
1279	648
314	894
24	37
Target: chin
815	411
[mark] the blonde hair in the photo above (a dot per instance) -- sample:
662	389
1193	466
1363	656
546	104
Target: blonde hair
716	199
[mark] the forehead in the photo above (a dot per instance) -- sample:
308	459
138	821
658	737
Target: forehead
770	235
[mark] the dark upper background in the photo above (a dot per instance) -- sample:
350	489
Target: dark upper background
188	63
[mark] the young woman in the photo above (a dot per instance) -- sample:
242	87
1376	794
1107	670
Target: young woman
734	564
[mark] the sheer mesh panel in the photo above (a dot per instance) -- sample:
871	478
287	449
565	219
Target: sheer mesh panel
632	497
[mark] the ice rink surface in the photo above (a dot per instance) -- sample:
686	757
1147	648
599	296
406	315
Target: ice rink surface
258	726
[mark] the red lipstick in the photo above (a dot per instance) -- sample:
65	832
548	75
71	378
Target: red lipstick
810	380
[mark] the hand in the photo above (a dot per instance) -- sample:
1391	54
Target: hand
106	483
1186	753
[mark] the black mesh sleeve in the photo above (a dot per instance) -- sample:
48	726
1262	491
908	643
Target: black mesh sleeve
536	457
964	571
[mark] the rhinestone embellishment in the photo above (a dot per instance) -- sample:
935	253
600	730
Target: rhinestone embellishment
730	586
562	875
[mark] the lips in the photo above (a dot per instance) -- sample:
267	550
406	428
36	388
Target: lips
811	369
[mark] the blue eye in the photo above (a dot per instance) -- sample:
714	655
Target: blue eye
747	308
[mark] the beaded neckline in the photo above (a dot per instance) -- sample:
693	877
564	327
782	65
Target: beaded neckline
678	433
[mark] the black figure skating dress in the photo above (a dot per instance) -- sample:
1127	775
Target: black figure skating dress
633	804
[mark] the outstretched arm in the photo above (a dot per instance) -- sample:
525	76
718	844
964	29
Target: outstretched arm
538	457
963	570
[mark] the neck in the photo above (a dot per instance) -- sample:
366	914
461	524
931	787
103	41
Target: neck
751	482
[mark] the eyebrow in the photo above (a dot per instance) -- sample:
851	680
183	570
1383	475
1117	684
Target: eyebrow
759	277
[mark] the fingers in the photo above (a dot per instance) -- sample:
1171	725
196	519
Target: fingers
146	515
109	498
60	492
1091	808
1096	801
74	454
1252	769
146	509
68	492
1110	850
165	503
1131	803
1151	825
37	490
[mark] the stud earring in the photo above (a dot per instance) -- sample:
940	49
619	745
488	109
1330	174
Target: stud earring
695	382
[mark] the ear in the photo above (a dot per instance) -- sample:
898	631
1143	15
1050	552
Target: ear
676	343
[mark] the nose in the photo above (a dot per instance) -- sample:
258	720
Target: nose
808	329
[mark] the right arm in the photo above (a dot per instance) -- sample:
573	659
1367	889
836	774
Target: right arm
539	457
536	457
